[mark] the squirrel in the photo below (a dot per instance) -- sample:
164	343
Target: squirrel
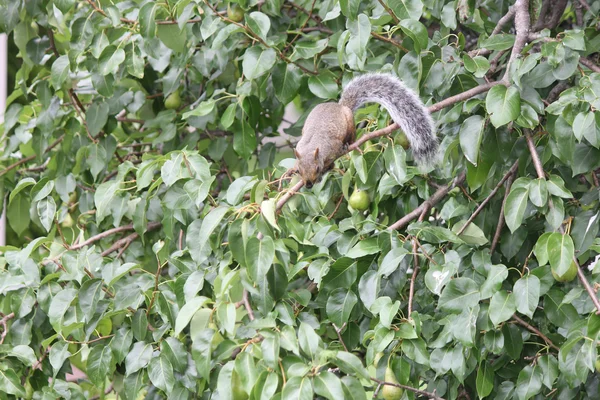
329	127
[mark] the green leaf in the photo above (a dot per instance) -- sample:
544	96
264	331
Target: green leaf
286	80
59	352
363	248
391	261
10	383
99	365
18	214
139	357
328	385
96	117
527	294
257	62
89	296
538	192
395	162
259	255
46	209
23	184
200	230
350	8
60	71
471	134
244	139
529	382
416	31
561	251
406	9
460	293
110	60
147	21
259	23
351	364
59	306
501	41
324	85
502	307
160	372
298	388
485	380
516	204
339	306
503	104
229	115
187	312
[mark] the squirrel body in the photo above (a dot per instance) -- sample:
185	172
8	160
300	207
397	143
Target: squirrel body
329	127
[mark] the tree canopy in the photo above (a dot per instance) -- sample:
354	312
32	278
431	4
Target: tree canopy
152	244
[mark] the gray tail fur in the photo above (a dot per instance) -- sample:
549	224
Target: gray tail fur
404	106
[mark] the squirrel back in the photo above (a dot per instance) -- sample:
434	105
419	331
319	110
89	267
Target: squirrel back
329	127
404	106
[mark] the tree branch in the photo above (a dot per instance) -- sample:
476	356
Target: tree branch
247	305
3	322
501	216
102	235
429	395
540	172
427	204
536	331
590	64
389	11
510	172
523	26
27	159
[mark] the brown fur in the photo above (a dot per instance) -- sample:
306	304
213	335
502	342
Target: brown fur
327	131
329	128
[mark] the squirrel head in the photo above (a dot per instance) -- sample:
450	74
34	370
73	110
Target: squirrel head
310	167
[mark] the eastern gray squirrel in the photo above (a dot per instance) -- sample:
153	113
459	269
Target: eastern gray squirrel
329	128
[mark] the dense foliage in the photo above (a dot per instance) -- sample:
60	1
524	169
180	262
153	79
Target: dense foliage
152	246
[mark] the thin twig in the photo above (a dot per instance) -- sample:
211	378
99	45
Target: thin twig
389	11
102	235
510	172
501	216
536	331
27	159
246	301
338	331
427	204
429	395
3	322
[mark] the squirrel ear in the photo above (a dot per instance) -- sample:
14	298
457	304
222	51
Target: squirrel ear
297	154
316	153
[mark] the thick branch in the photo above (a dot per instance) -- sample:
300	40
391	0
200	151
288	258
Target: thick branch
590	64
510	172
523	26
427	204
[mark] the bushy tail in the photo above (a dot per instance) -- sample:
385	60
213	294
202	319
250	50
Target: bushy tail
404	106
